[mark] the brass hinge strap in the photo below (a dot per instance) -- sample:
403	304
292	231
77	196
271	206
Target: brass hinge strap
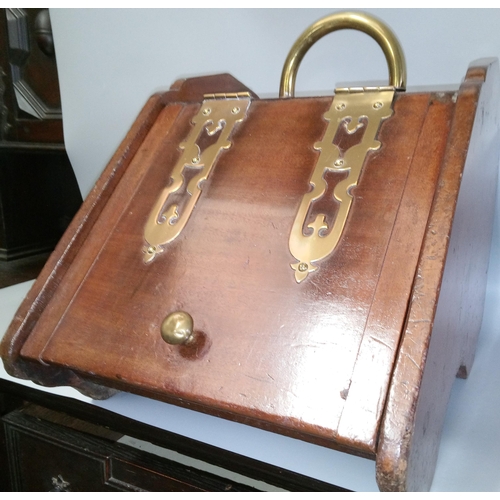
165	223
353	111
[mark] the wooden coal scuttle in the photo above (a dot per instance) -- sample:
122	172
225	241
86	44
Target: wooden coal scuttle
312	266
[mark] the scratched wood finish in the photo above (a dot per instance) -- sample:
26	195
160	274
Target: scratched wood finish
231	270
314	360
62	258
446	307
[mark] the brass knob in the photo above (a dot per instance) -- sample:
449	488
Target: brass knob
177	328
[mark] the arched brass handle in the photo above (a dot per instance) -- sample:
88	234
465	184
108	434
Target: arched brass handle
346	20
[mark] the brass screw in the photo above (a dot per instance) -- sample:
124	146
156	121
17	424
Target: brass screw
206	111
303	267
377	105
235	110
151	250
195	161
340	106
339	163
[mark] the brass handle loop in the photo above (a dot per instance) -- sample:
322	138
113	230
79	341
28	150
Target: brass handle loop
360	21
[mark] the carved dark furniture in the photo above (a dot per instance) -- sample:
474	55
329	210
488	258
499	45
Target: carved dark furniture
39	194
49	442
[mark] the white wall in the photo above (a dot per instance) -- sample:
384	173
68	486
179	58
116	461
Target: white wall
110	61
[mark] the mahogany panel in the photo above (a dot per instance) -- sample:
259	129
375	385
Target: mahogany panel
271	352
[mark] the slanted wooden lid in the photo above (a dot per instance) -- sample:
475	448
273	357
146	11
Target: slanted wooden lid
311	360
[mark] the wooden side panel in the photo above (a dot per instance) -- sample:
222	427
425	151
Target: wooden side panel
446	306
374	363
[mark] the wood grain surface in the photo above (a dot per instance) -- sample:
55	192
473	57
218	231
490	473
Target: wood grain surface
269	351
313	360
446	306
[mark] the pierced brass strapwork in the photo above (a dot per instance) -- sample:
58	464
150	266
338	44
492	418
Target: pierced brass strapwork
218	113
352	108
352	111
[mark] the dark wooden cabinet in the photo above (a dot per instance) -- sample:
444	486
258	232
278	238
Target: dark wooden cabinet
39	194
67	445
50	451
